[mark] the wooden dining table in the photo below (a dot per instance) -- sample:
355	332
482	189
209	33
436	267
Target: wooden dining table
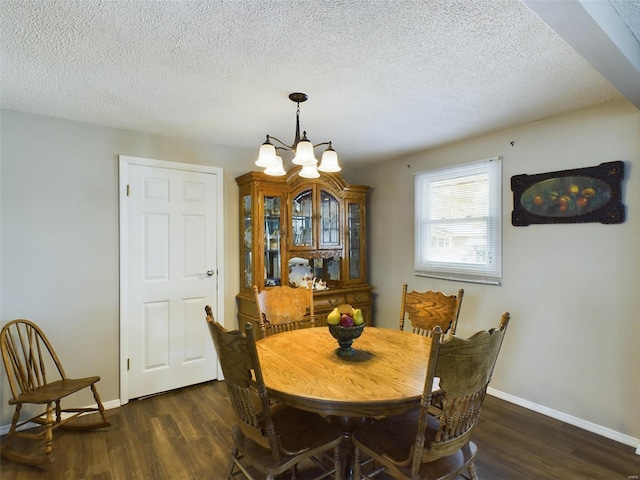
384	376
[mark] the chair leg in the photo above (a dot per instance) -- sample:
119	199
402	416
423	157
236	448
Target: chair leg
232	463
58	411
473	475
14	423
101	409
356	463
337	464
48	434
86	426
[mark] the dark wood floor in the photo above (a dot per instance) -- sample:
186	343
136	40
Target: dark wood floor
184	434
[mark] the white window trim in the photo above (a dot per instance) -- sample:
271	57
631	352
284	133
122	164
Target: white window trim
487	273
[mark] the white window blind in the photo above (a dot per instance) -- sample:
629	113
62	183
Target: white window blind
458	223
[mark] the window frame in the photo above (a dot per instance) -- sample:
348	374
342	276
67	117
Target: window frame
489	272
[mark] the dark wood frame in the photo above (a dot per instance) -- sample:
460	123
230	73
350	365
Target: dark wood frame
581	195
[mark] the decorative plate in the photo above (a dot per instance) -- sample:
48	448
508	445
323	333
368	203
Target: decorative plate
299	270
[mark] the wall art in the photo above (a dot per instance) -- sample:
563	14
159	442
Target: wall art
581	195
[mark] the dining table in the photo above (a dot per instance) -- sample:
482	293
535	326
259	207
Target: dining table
384	376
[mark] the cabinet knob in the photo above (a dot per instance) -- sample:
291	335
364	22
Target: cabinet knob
210	272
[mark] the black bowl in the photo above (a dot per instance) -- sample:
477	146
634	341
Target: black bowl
345	337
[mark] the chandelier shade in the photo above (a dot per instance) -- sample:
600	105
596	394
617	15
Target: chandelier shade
329	161
275	169
267	155
302	148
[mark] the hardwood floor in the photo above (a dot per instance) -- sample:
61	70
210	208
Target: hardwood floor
184	434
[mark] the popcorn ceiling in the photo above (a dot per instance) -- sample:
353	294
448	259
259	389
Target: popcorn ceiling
383	77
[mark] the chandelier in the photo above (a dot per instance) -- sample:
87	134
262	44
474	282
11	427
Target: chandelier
269	159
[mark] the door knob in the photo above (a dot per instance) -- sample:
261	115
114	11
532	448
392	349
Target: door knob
210	272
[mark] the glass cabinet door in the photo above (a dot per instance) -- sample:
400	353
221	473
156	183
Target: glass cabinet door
354	245
272	244
302	219
329	220
247	238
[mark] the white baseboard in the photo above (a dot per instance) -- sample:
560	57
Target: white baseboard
563	417
4	429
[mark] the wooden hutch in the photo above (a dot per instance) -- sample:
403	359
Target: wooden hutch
294	229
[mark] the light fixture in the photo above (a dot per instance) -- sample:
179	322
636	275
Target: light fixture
302	148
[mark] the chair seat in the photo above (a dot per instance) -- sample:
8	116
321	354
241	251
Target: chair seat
54	390
394	438
299	428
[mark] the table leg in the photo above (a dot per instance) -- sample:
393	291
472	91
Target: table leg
348	426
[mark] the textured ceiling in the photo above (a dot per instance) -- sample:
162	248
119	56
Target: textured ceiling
383	77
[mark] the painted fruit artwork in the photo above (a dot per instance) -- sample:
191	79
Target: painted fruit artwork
565	196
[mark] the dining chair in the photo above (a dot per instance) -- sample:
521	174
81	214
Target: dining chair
284	308
269	440
426	310
36	376
416	445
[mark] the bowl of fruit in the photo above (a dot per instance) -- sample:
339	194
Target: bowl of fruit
345	325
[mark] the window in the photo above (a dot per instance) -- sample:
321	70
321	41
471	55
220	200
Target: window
458	224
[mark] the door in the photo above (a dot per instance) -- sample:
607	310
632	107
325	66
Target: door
170	259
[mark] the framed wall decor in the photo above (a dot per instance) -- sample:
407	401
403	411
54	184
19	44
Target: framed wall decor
581	195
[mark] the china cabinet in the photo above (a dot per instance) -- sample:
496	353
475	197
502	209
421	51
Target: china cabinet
307	233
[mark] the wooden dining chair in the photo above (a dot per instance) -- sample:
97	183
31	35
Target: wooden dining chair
269	440
284	308
426	310
36	376
416	445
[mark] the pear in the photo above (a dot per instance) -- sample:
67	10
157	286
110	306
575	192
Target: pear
358	319
334	317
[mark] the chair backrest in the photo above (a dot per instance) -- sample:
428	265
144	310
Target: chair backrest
239	358
28	357
430	309
284	308
464	368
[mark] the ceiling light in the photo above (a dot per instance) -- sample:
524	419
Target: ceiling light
302	148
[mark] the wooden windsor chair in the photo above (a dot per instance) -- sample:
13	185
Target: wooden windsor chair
36	376
269	440
284	308
418	446
430	309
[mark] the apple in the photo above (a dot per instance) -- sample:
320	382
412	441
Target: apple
573	189
346	320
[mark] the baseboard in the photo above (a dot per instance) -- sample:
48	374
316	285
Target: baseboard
563	417
4	429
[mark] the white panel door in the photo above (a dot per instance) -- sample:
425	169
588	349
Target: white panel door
172	276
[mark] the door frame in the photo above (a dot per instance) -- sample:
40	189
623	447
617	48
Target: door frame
124	161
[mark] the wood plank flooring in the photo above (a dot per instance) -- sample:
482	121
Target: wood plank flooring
184	434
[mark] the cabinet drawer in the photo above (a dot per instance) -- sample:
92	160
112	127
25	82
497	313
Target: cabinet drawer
328	302
359	298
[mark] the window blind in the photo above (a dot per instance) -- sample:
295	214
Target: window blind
458	222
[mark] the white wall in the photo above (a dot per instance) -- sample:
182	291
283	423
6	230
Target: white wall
573	290
59	256
59	259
